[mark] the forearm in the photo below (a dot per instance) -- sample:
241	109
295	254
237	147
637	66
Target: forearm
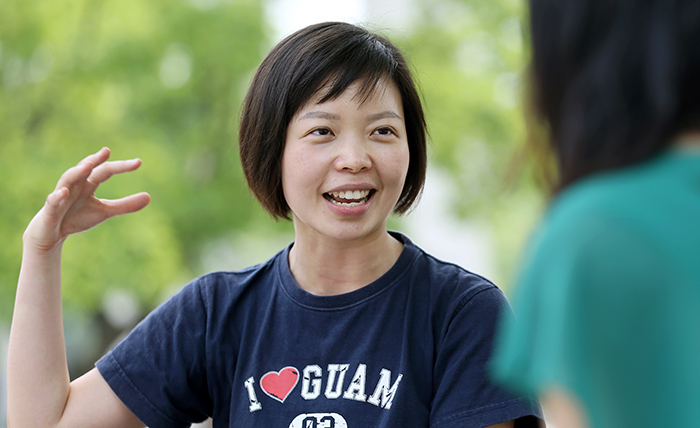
38	381
37	376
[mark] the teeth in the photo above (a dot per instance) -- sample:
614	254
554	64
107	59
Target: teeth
350	198
347	204
351	194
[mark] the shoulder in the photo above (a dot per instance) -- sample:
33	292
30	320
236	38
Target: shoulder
240	277
219	288
452	285
591	214
607	237
635	195
650	205
625	209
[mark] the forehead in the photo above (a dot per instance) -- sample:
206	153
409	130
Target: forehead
360	94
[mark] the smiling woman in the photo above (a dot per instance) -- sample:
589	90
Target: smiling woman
350	324
352	149
343	169
341	58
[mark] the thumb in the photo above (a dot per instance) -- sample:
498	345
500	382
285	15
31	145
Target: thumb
128	204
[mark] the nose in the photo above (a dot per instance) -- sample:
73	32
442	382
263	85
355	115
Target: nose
352	156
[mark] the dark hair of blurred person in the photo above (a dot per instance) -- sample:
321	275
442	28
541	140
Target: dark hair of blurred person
608	293
613	81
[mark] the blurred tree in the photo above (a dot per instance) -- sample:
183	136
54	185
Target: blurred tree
160	80
469	56
164	80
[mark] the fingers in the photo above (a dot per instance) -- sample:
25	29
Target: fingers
80	182
74	175
106	170
83	169
95	170
127	205
96	159
57	196
53	201
73	207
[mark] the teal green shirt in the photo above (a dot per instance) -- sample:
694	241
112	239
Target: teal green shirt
608	301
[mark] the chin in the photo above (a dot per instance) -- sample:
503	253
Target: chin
356	235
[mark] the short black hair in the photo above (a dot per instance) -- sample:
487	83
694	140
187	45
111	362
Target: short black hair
613	80
330	55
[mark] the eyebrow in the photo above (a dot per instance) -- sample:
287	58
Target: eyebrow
383	115
332	116
320	115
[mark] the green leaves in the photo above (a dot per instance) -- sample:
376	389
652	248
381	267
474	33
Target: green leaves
159	80
164	80
469	57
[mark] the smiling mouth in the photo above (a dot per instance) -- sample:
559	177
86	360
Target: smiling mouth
350	198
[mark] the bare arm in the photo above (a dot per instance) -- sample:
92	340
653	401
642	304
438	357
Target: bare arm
563	409
39	392
509	424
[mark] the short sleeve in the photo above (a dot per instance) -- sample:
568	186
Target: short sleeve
532	346
466	397
159	369
600	313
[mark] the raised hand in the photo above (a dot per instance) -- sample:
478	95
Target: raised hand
37	377
73	207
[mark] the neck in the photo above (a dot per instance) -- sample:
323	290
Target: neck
688	141
337	267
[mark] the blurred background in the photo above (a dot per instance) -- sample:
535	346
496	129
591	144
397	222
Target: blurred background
163	80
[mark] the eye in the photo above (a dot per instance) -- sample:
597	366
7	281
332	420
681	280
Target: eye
384	131
321	132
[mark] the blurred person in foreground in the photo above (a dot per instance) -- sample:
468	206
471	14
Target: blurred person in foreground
349	326
608	298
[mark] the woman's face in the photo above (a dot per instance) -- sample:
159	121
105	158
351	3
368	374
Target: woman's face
344	164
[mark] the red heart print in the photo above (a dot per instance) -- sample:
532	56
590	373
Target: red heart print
279	384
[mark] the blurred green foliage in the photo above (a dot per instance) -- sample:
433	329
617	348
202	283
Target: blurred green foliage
470	57
164	80
159	80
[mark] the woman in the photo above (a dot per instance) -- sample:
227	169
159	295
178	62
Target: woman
607	329
349	326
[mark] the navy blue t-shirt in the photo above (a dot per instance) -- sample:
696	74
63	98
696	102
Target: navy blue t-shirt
252	349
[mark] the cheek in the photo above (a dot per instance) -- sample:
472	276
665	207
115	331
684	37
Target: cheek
397	163
297	168
289	164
